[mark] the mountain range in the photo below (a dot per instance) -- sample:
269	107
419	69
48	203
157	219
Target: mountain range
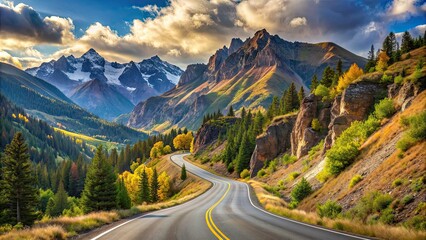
245	74
44	101
105	88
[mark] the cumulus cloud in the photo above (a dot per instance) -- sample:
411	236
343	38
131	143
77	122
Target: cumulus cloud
298	21
403	8
152	9
22	22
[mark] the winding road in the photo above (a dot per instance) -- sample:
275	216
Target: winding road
226	211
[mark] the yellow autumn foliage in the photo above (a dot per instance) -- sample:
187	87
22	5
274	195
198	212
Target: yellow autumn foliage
349	77
183	141
382	61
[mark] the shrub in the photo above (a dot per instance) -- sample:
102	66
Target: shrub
387	216
281	184
345	149
272	166
261	173
315	149
407	199
316	126
381	202
245	174
398	79
330	209
416	222
397	182
384	108
322	91
288	159
356	179
386	78
418	184
293	176
416	131
301	191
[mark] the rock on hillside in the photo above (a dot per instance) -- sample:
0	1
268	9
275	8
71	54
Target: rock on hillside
210	131
273	142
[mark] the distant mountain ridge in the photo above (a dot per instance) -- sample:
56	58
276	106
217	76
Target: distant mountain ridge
247	74
133	81
44	101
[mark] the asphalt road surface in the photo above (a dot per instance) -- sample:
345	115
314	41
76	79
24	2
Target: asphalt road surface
226	211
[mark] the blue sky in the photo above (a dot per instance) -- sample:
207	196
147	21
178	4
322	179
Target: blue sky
189	31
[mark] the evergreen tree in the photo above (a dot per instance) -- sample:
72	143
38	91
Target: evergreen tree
144	187
371	60
123	199
100	190
19	188
4	209
407	43
314	83
231	112
301	94
259	120
327	77
244	153
339	68
291	99
60	202
154	186
183	173
273	109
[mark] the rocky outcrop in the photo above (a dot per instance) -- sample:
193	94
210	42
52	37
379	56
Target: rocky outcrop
354	104
275	141
303	137
191	73
210	131
402	95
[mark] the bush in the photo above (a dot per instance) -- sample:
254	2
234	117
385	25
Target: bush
386	78
381	202
322	91
261	173
387	216
330	209
418	184
398	80
301	191
356	179
416	131
245	174
288	159
397	182
316	126
407	199
384	108
416	222
293	176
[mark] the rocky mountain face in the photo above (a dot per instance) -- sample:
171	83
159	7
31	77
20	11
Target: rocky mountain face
245	74
132	81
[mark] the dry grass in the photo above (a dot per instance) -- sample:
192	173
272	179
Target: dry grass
39	233
278	206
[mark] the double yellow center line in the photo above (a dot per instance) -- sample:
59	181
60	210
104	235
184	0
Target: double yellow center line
209	220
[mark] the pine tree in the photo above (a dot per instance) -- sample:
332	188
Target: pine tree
314	83
183	173
123	199
60	202
19	187
371	60
291	99
273	109
301	94
244	153
327	77
100	190
231	112
4	209
407	43
339	68
144	187
154	186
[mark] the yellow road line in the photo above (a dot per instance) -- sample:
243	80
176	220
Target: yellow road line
209	220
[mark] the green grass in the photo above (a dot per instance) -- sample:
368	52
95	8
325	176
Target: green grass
356	179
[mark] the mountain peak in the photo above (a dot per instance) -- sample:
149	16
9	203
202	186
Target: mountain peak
261	33
91	53
156	58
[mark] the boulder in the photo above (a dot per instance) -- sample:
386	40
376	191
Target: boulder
273	142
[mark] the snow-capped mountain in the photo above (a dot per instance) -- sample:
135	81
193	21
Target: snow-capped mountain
134	81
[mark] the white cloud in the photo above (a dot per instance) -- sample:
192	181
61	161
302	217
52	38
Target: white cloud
403	8
152	9
298	21
7	58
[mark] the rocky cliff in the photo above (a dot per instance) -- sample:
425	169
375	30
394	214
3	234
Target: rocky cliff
210	131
